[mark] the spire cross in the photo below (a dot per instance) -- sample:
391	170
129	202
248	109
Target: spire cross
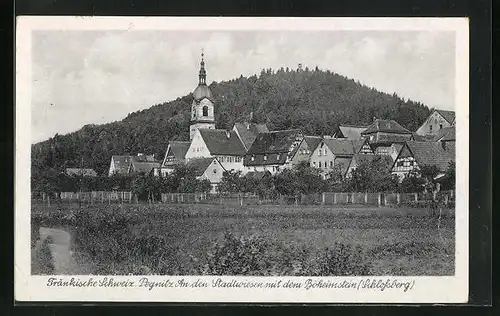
202	54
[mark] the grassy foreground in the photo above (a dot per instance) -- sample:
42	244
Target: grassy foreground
254	240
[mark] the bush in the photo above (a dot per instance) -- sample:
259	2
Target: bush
237	256
343	260
41	261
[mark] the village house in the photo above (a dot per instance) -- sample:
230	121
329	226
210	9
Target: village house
226	146
382	134
80	172
305	150
273	151
334	154
352	132
436	121
208	168
360	159
416	154
119	165
174	155
142	164
247	132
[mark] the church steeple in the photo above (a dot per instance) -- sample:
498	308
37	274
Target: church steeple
203	73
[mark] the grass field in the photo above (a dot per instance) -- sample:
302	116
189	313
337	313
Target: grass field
254	240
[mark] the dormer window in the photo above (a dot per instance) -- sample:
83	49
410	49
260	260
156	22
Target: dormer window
205	110
278	157
265	157
252	158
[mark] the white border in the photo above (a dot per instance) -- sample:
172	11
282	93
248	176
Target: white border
448	289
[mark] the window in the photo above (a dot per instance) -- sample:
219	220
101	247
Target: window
319	152
278	157
215	170
319	164
399	164
331	164
314	163
265	157
252	158
440	126
205	110
430	128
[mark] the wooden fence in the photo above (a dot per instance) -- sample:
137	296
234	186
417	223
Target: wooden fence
325	198
97	196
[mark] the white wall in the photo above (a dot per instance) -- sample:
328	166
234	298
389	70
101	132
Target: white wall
197	149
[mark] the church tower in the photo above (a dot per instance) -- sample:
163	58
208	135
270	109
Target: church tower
202	109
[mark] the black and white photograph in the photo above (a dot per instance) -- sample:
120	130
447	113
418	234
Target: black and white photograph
242	159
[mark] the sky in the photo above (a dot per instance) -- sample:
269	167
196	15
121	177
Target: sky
95	77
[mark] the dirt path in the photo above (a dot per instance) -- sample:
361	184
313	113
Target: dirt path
60	248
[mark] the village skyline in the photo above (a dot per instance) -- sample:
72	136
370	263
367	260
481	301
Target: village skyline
96	77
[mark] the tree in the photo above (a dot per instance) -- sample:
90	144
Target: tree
231	182
448	181
373	176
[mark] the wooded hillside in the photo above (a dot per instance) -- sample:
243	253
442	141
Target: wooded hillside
314	100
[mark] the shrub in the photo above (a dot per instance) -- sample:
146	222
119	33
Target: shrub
237	256
343	260
41	261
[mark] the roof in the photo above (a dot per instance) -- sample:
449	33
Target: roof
392	138
222	142
199	165
81	172
449	116
352	131
449	135
179	148
312	141
430	153
142	165
423	138
274	142
121	163
387	126
339	146
202	91
248	132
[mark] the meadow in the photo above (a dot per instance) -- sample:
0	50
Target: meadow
204	239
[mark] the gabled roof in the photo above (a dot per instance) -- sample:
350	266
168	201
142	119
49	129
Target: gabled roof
430	153
200	165
312	141
84	172
248	132
274	142
339	146
121	163
448	135
387	126
449	116
358	144
178	149
222	142
352	131
139	164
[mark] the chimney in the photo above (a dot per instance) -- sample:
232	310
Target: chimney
248	125
228	134
140	154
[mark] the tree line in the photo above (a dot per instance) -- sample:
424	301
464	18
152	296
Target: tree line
370	176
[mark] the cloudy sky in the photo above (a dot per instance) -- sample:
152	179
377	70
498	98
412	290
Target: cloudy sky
90	77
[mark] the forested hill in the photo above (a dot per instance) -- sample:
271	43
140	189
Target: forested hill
314	100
